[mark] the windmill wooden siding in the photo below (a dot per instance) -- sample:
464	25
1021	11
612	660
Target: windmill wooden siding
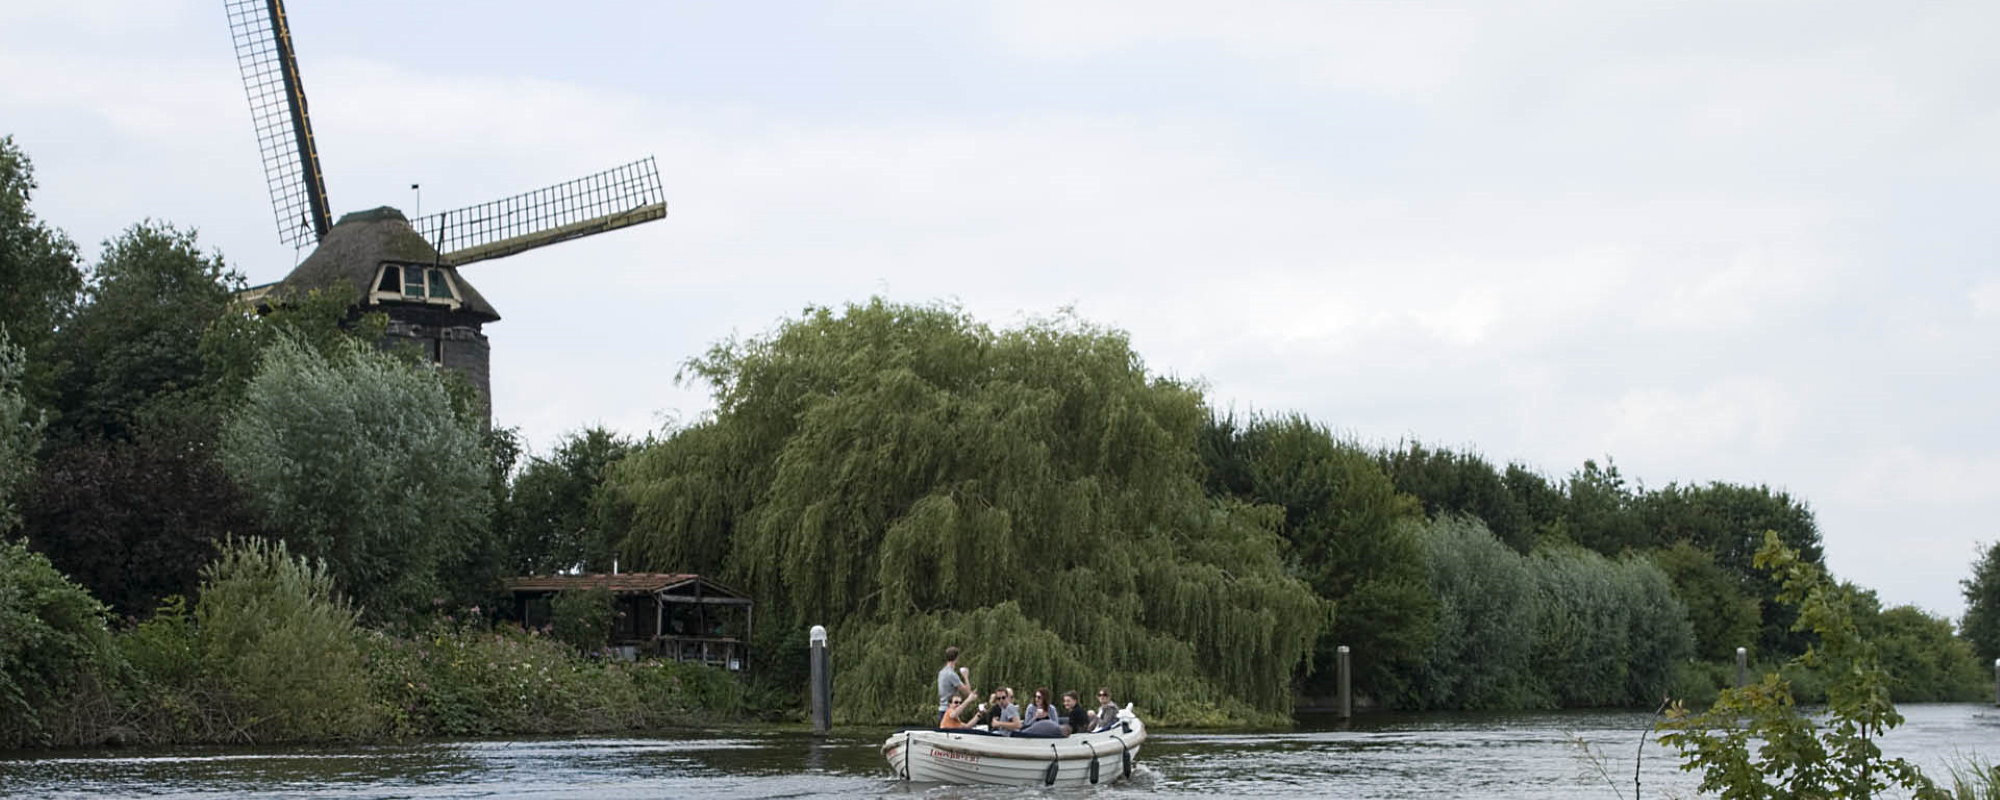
679	616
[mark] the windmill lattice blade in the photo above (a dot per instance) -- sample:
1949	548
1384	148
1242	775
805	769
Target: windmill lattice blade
278	110
608	200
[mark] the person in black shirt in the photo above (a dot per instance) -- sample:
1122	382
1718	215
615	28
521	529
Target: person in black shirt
1075	718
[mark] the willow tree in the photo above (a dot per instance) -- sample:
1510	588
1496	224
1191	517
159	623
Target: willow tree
912	479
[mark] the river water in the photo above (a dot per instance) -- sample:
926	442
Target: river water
1508	755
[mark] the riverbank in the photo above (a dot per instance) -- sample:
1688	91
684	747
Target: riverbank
269	654
448	682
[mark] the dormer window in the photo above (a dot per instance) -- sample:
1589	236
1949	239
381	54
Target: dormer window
415	283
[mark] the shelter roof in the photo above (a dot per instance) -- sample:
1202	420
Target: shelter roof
622	583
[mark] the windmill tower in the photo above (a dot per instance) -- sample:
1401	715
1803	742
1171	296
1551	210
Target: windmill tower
408	269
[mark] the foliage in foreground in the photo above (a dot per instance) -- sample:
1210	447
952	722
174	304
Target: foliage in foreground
1754	742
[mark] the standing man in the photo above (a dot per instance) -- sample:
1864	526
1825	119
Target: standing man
953	681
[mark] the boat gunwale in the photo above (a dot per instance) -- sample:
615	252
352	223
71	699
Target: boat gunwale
1069	748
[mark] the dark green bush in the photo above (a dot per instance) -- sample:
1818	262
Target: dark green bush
582	618
462	681
53	643
1488	613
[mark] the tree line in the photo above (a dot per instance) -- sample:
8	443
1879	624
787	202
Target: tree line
904	474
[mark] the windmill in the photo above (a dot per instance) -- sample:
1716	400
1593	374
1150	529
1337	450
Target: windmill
408	269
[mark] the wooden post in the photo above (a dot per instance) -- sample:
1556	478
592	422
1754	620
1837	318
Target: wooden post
822	682
1742	667
1346	683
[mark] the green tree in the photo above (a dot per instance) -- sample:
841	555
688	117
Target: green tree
582	618
1723	612
1730	521
1924	661
1981	625
55	642
360	460
1349	534
1599	513
1449	482
1488	613
913	479
39	278
136	341
553	518
135	521
20	434
322	320
1607	632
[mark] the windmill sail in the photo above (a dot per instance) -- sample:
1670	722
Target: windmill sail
609	200
278	110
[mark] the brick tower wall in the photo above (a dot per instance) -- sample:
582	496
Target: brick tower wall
449	339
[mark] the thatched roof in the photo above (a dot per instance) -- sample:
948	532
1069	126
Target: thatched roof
354	250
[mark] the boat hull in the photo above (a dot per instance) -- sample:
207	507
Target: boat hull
947	756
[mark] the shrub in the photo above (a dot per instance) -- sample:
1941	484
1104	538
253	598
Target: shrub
582	618
281	647
54	643
1487	619
468	682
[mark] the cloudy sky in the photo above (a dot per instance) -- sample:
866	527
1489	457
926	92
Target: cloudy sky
1738	241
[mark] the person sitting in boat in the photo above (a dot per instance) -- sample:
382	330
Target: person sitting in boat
953	681
954	714
1000	716
1076	719
1039	718
1107	711
983	718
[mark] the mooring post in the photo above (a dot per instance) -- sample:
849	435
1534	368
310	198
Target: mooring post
1742	667
1346	683
1996	681
822	682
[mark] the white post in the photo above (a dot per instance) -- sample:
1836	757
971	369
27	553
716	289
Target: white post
1742	667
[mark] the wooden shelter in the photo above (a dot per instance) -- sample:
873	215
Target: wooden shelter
679	616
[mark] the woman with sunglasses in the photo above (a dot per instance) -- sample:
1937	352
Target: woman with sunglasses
1040	717
1107	711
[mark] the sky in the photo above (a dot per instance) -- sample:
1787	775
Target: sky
1750	242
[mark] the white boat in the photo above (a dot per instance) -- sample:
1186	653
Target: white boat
954	755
